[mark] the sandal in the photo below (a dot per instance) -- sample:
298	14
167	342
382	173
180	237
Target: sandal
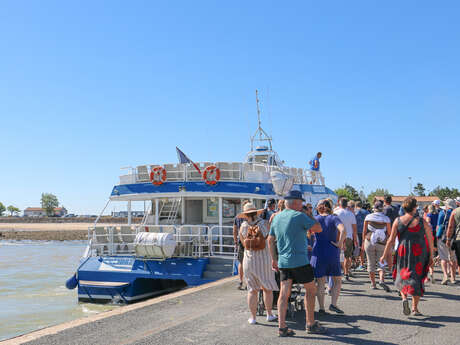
316	328
416	313
406	309
286	332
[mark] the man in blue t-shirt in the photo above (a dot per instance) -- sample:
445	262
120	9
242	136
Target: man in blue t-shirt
314	169
289	229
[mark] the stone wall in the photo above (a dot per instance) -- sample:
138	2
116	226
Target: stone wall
112	220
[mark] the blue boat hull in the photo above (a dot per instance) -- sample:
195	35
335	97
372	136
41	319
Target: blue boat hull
129	279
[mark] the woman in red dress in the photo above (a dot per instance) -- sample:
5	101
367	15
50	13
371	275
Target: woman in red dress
414	254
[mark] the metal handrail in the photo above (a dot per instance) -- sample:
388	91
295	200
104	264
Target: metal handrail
191	240
184	172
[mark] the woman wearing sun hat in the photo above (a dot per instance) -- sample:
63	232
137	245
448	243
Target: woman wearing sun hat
257	269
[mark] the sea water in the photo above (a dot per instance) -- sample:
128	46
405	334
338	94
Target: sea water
32	286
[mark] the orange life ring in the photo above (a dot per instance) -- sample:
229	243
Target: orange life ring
211	175
158	176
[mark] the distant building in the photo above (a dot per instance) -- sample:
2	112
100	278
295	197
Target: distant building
40	212
421	200
124	214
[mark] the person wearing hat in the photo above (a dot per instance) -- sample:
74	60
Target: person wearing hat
446	255
257	265
453	232
437	204
289	230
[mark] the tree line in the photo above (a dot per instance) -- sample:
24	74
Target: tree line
11	209
351	193
48	202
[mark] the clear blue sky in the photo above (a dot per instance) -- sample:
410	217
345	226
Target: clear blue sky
91	86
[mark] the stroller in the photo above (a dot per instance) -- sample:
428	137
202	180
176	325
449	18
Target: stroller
295	301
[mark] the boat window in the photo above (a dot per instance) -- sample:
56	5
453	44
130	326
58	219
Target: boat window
211	208
228	209
261	159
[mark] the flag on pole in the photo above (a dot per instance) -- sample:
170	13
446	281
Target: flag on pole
184	159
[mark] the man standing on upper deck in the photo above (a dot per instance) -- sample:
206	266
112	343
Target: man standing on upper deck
314	168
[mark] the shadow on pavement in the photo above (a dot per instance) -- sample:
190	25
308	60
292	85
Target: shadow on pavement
388	295
346	340
442	295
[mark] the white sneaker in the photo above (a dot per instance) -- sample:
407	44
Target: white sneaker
271	318
252	321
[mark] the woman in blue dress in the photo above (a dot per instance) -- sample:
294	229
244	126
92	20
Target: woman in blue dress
326	255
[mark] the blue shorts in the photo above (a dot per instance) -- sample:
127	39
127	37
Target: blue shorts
326	268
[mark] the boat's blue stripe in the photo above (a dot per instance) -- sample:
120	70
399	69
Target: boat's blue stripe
221	187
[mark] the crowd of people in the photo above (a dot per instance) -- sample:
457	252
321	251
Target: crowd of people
291	242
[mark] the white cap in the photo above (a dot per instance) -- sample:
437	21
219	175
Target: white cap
436	202
457	199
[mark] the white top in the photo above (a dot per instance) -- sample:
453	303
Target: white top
378	234
348	219
377	217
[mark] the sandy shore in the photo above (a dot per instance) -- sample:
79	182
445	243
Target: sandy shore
45	226
45	231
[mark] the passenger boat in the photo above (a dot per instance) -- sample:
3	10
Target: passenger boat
185	237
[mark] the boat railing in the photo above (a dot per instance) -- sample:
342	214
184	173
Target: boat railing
221	241
229	171
192	241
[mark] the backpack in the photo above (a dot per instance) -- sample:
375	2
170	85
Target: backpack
445	224
254	239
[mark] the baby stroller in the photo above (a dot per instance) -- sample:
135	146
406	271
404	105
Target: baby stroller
295	301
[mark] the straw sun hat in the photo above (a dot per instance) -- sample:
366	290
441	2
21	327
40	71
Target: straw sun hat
250	208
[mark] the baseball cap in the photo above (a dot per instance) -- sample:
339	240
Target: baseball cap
294	194
437	202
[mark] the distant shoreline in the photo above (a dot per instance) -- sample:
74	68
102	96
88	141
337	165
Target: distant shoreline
44	231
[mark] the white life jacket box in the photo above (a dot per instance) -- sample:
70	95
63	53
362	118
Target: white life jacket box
154	245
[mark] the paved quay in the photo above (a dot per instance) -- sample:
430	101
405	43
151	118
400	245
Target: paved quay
217	314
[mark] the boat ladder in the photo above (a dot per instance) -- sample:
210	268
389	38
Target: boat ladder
170	209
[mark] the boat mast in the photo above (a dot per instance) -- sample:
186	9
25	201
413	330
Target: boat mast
263	136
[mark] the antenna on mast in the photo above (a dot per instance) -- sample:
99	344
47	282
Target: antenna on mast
263	136
258	114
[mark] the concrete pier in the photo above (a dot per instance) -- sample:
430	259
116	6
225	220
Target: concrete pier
217	314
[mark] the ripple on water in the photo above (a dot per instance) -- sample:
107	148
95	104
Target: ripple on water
32	278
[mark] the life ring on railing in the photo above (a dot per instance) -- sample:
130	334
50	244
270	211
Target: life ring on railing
158	175
211	175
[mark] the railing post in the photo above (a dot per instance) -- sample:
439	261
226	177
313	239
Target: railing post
210	229
110	240
157	209
129	212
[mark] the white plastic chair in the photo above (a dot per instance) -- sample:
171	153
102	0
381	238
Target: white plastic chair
143	173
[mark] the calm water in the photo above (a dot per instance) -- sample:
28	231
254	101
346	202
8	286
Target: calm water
32	286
